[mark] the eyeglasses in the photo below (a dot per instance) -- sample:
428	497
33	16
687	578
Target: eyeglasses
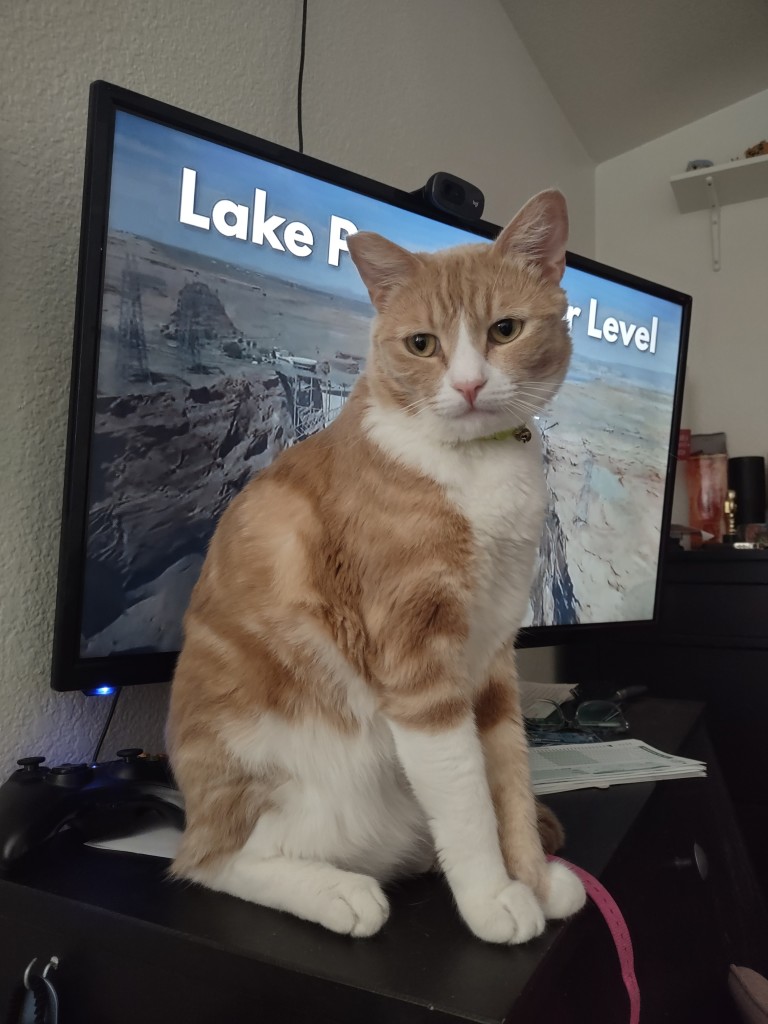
548	716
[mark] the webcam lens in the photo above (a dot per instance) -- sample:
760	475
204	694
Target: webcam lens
453	192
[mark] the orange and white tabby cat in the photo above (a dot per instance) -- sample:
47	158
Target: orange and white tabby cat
345	707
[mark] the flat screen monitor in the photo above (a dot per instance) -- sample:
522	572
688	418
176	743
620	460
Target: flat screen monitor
219	319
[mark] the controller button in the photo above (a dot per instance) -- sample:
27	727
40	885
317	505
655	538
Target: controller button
69	775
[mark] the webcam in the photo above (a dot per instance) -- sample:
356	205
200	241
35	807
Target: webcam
450	194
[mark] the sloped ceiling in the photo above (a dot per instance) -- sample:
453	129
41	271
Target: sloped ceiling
627	71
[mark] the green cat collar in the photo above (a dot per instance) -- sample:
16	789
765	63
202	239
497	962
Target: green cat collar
521	433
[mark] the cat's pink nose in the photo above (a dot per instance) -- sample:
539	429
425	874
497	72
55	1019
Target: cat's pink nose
469	388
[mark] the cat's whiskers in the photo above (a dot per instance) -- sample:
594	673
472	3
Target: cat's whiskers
544	385
523	409
537	391
531	400
515	404
419	405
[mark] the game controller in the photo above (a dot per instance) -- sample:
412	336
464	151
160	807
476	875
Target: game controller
98	801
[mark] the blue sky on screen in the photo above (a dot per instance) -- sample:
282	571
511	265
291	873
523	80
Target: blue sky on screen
145	196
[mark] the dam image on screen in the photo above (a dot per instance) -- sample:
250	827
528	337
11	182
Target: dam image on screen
234	324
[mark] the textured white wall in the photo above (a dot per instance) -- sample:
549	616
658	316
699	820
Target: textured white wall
639	228
395	90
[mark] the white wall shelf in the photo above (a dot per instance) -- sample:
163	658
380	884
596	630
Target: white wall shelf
735	182
709	188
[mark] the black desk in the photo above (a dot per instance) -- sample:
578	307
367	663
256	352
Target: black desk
135	947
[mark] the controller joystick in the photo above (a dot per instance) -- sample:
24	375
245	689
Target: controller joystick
130	754
128	765
97	800
133	765
30	770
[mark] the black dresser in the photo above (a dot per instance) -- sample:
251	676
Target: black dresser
135	947
711	646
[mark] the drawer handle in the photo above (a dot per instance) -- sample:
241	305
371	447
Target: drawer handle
699	861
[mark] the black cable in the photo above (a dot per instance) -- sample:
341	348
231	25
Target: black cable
300	91
107	724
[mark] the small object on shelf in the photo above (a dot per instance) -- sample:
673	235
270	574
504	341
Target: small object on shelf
687	537
729	512
746	475
759	149
697	165
756	534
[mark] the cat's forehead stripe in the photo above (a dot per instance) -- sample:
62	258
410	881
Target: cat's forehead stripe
466	363
474	282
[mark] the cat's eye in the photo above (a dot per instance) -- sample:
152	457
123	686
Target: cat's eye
506	330
421	344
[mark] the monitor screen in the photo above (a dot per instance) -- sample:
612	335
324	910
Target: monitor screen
220	319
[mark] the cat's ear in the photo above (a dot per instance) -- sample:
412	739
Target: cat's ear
539	233
380	263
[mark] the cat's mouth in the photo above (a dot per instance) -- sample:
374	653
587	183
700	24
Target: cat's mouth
474	421
469	412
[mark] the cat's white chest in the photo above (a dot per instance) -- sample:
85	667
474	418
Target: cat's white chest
501	492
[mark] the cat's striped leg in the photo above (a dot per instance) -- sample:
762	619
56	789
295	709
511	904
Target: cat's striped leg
343	901
501	728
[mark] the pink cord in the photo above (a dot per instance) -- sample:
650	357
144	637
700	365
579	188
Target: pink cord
617	926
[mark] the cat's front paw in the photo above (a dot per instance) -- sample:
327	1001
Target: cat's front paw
354	906
512	915
565	893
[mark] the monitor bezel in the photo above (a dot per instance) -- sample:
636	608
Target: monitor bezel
69	670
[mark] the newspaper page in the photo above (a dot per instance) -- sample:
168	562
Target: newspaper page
578	766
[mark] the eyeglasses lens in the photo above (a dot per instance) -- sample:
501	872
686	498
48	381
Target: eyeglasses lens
545	714
601	714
